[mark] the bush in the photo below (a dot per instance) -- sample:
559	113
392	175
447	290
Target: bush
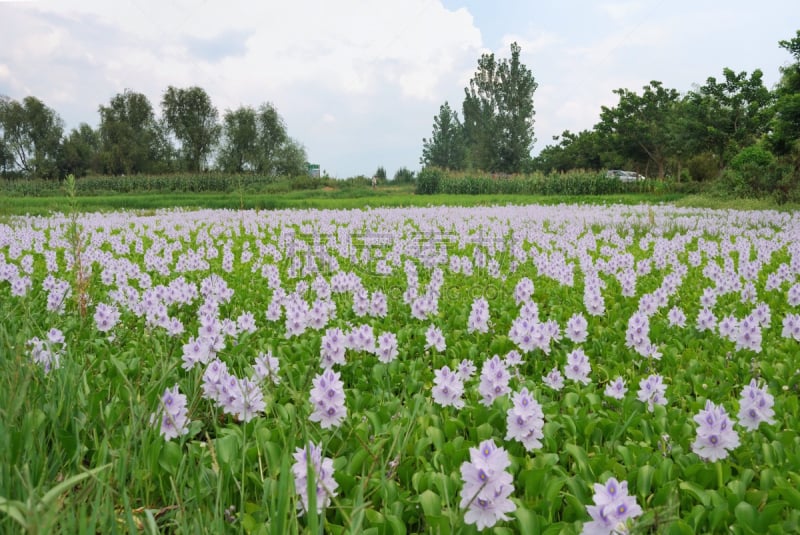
703	167
429	180
404	176
752	173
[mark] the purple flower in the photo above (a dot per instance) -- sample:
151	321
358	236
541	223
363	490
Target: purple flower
479	316
333	348
616	389
266	367
494	380
525	421
676	317
448	388
554	379
249	400
435	339
465	369
755	406
652	391
578	367
612	509
715	433
387	347
487	486
576	328
327	397
311	457
173	417
106	317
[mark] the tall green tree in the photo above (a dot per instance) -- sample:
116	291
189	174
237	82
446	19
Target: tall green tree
571	151
498	114
129	137
274	144
192	118
728	115
257	140
639	127
80	152
31	134
239	145
785	127
445	148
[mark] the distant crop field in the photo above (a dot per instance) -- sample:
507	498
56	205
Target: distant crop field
557	368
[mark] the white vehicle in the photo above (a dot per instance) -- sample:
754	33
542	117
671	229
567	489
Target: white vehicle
625	176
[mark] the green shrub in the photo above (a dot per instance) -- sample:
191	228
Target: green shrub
703	167
429	180
404	176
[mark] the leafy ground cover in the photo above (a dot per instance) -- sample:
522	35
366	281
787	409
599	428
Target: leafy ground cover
538	369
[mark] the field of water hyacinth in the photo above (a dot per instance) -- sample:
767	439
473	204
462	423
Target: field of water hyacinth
530	369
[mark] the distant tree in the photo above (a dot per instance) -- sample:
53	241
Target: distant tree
79	152
31	134
785	127
639	126
192	119
129	134
404	176
256	140
729	115
290	159
498	114
380	174
572	151
239	149
272	136
445	148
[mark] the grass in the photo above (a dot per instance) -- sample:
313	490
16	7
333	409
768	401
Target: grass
392	196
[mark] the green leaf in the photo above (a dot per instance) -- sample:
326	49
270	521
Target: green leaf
431	503
746	515
697	491
644	480
527	520
169	459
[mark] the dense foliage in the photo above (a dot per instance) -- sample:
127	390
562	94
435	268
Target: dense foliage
658	131
441	370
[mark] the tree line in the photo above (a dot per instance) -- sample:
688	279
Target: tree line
131	139
724	123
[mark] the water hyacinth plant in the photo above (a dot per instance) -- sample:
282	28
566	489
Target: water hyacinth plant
421	370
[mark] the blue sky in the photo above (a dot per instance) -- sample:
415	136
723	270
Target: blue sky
358	82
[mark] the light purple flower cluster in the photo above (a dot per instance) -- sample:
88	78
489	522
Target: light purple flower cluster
173	416
48	352
577	328
388	348
616	389
494	380
525	420
755	406
242	398
448	388
612	510
435	339
106	317
652	391
479	316
715	433
578	367
487	486
266	367
554	379
311	457
327	397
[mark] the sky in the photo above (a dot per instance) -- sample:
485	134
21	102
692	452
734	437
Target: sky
358	82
